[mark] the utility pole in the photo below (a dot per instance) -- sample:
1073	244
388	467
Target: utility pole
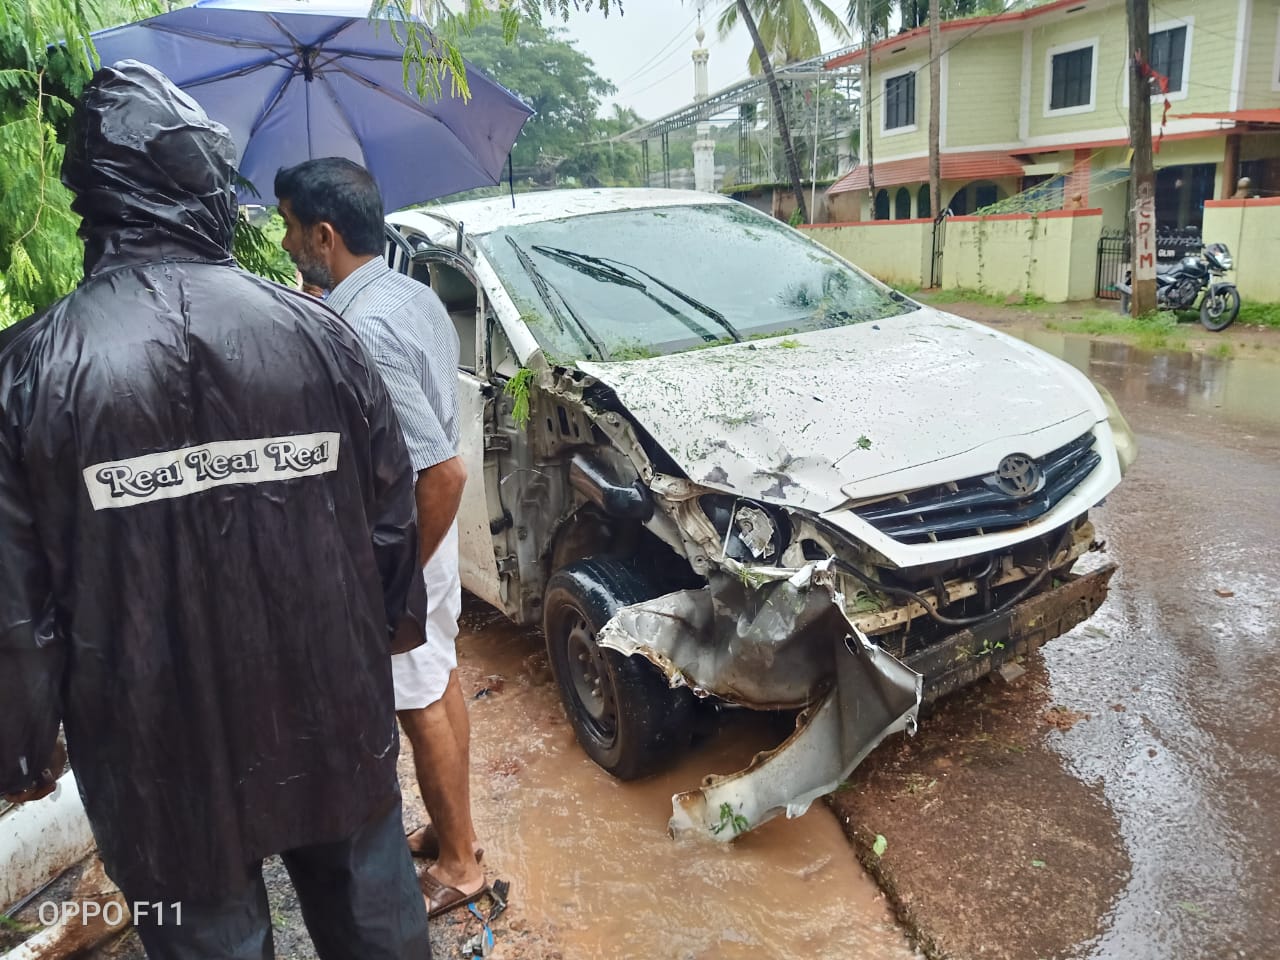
1141	173
867	98
935	110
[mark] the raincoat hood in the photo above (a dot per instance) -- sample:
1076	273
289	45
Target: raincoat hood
153	176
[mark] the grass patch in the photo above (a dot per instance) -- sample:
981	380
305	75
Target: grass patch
1155	331
907	288
1260	314
963	295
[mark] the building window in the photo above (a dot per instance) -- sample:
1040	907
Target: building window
1072	81
881	211
1168	56
923	207
900	101
902	204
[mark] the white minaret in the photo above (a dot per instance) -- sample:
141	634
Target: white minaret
704	148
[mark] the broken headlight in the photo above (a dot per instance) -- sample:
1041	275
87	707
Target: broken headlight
1121	433
750	532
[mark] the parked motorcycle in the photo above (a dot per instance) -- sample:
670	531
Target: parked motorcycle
1178	285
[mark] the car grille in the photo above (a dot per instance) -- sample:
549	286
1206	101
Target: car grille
971	507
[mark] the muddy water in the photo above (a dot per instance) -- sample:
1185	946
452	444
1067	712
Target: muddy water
590	855
1180	670
1240	389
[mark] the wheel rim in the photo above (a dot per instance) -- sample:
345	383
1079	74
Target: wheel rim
1217	306
589	678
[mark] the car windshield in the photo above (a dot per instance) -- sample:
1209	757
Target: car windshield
648	282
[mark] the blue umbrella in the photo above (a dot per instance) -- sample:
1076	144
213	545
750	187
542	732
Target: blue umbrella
298	79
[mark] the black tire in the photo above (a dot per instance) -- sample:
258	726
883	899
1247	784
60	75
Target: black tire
1218	313
626	716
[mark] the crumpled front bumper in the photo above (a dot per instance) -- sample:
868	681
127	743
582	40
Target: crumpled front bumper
970	654
873	695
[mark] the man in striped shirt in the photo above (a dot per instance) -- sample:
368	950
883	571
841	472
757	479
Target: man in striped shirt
334	232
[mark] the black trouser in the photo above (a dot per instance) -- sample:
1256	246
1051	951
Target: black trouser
360	899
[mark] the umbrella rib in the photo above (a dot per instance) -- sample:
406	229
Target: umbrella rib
214	38
342	112
272	103
415	105
243	71
240	71
298	45
402	99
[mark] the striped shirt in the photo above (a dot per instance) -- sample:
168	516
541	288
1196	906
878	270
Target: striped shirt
409	334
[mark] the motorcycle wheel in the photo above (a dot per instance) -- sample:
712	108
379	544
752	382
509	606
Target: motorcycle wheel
1219	312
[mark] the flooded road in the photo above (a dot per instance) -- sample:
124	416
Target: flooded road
590	855
1180	670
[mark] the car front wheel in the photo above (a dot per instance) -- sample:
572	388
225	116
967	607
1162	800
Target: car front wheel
626	716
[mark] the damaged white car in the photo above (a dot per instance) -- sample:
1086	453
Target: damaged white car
713	460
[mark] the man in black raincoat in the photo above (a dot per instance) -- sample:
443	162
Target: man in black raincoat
207	551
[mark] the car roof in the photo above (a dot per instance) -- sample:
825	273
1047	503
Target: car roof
484	216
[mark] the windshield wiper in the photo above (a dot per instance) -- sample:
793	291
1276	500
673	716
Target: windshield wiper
545	292
609	272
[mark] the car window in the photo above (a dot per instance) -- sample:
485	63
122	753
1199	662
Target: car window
649	282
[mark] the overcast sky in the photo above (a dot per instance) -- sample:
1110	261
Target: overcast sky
646	51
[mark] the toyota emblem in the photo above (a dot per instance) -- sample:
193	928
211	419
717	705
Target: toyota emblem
1018	476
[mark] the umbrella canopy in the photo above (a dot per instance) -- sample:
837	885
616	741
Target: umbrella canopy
294	80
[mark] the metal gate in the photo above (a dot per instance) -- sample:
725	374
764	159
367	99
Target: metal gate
939	236
1113	260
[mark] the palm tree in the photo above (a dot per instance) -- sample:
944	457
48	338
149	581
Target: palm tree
783	28
789	28
916	13
872	15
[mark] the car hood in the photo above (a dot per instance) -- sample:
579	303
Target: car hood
818	419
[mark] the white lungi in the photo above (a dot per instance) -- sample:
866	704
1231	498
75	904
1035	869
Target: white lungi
421	675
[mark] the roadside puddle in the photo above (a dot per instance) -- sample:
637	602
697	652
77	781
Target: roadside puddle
591	857
1237	387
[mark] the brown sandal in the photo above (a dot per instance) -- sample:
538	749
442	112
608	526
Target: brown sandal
424	843
442	899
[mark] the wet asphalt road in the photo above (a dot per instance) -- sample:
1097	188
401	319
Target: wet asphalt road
1180	670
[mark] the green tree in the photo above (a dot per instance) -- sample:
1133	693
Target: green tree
786	24
43	67
870	18
554	77
788	28
566	139
606	162
40	77
818	111
915	13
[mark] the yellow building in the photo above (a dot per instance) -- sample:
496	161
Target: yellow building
1038	100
